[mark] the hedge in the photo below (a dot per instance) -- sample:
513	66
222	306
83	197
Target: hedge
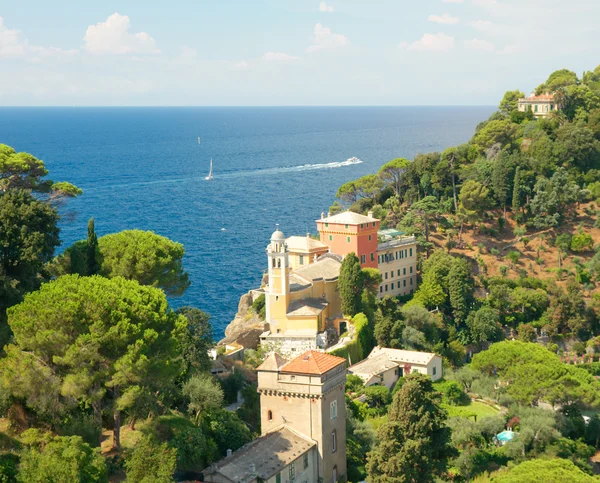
361	345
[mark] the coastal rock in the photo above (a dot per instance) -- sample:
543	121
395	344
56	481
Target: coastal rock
246	327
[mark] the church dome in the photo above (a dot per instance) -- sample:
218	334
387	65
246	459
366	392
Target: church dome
277	236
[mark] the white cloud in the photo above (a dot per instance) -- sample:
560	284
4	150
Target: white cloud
10	44
445	19
439	42
323	7
453	1
241	65
325	39
484	3
113	37
278	57
482	25
481	45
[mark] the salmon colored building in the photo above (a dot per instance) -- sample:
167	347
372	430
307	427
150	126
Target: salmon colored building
351	232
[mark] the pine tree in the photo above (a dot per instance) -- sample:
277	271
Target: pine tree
414	446
350	285
93	267
516	197
460	289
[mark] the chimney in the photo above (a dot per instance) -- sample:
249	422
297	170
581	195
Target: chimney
307	235
229	453
370	214
328	214
322	216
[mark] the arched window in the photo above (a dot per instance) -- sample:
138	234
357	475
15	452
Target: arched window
334	474
333	442
270	415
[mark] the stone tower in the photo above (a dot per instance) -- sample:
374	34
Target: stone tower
306	395
278	290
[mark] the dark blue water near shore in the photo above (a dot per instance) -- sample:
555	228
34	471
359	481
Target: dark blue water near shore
143	168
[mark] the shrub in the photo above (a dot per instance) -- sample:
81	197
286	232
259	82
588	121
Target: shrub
452	392
582	242
579	348
151	462
563	241
526	333
354	383
514	256
63	458
378	396
503	270
259	306
494	251
8	467
525	241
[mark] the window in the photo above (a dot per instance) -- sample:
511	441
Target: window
392	274
305	460
292	472
278	478
536	108
404	271
334	474
361	225
330	237
301	259
386	275
398	272
373	223
270	415
410	269
333	410
372	257
392	286
386	288
363	259
434	370
326	225
411	280
346	225
381	289
348	239
414	370
292	378
369	237
333	442
404	282
411	252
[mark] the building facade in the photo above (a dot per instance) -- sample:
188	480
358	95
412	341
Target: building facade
397	263
304	250
351	232
540	106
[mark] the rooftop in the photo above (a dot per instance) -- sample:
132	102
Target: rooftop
327	268
298	283
348	218
313	362
373	366
273	362
304	244
541	97
399	355
263	458
306	307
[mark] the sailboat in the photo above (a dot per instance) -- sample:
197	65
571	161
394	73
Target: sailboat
210	175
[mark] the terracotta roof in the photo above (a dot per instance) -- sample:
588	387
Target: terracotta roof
348	218
272	363
541	97
310	306
305	244
263	458
313	362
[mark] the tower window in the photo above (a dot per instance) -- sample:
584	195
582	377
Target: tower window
333	442
346	226
326	225
333	475
333	410
348	238
330	237
270	415
363	259
369	237
301	259
372	257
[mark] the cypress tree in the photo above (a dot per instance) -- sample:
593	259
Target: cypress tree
350	285
93	267
516	197
414	446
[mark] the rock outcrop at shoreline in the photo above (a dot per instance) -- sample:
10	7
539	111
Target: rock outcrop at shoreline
246	327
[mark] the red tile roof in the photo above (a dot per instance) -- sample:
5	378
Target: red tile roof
313	362
541	97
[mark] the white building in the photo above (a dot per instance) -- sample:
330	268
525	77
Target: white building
384	366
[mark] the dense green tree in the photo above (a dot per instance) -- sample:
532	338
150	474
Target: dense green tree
348	192
509	102
93	264
393	172
203	393
577	147
62	459
350	284
226	429
501	176
23	171
559	78
28	238
144	256
474	196
516	194
415	444
484	325
460	289
552	198
196	340
426	209
151	462
502	132
94	341
553	470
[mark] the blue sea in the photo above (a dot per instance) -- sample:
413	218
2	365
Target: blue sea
143	168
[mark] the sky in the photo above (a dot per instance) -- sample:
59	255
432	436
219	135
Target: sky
288	52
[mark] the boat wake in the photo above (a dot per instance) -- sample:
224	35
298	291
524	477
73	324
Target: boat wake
341	164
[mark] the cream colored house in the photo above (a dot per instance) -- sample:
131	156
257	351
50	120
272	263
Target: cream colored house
384	366
397	263
304	250
303	421
540	106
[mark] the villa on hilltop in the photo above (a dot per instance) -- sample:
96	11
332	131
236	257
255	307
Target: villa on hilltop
302	301
540	106
303	422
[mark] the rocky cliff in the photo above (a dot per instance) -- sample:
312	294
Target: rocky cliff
246	327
